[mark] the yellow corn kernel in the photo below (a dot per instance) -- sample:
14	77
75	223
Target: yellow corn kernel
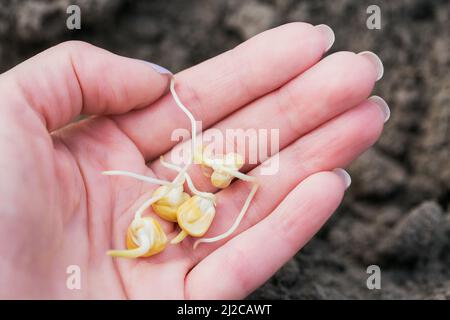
201	157
195	217
221	179
159	237
145	237
167	206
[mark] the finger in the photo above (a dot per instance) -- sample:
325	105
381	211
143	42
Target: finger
332	86
249	259
219	86
335	144
77	78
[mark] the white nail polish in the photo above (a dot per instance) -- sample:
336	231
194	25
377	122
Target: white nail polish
328	34
344	176
383	106
160	69
376	61
157	68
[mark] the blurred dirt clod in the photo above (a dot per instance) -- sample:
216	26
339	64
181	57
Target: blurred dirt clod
420	234
251	18
376	175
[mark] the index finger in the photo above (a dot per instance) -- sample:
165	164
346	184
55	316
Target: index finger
221	85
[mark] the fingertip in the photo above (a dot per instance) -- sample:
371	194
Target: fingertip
382	104
160	69
344	176
327	34
375	61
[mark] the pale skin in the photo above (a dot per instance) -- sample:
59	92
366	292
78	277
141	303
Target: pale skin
58	210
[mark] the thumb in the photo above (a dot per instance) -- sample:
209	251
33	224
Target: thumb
75	78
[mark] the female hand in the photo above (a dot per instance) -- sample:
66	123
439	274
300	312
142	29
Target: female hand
58	210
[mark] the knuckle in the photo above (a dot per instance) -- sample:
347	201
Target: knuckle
74	46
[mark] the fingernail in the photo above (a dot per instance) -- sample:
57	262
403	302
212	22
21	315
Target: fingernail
383	106
328	34
344	176
160	69
157	68
376	61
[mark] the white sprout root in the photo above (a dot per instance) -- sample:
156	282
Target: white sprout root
191	118
145	245
191	186
179	179
218	167
189	182
147	205
141	177
236	222
179	237
195	191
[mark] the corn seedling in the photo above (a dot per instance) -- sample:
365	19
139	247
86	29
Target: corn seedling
194	214
145	237
167	206
224	170
194	217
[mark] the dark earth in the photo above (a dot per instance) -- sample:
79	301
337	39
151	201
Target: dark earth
396	213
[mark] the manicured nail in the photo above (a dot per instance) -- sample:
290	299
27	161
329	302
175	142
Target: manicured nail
328	34
383	106
344	176
157	68
376	61
160	69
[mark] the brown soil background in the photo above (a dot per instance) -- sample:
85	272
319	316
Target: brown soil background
396	213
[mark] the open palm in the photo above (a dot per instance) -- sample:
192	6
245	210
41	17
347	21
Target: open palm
58	210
